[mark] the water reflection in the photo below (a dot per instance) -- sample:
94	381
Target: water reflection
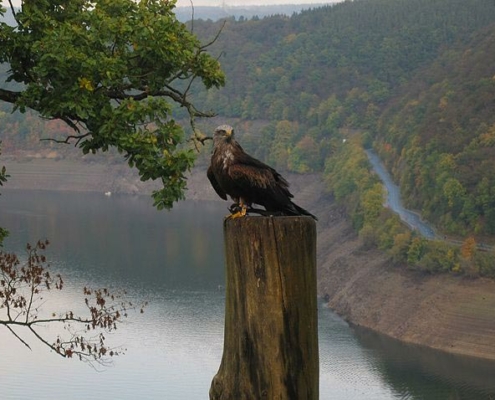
172	352
122	236
416	372
175	260
347	370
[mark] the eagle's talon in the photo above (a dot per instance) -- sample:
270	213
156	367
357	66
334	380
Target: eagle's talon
234	208
240	211
235	215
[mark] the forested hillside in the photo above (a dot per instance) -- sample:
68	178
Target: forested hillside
413	78
438	135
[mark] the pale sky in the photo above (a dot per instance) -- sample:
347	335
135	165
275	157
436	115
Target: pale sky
217	3
250	2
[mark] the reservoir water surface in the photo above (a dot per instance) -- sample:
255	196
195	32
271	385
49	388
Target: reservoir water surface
174	260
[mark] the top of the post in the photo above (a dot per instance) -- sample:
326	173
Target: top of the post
282	222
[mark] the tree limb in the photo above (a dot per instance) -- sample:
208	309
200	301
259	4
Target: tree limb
9	96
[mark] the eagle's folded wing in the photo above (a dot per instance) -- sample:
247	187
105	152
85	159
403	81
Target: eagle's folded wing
214	183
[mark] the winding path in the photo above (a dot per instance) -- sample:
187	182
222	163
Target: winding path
412	219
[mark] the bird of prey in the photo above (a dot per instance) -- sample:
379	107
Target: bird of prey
248	181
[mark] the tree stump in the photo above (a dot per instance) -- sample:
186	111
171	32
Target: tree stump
271	329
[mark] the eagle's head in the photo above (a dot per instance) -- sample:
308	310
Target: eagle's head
223	134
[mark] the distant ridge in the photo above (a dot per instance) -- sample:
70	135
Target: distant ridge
214	13
184	13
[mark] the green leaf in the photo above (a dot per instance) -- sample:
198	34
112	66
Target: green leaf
110	69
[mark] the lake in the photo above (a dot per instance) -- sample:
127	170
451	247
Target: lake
174	260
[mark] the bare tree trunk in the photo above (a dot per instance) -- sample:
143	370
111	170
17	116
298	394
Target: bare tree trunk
271	333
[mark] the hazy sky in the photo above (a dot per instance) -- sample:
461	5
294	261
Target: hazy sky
227	2
250	2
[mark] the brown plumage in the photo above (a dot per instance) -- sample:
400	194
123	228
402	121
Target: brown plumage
247	180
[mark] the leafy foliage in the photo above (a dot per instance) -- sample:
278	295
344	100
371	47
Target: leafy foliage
23	285
110	69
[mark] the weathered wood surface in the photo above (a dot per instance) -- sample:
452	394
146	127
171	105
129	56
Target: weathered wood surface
271	334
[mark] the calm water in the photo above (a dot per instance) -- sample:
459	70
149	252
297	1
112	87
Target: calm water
175	261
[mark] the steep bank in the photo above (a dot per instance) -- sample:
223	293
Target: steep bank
445	312
449	313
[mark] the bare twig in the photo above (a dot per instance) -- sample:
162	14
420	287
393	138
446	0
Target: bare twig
68	139
18	337
192	16
202	48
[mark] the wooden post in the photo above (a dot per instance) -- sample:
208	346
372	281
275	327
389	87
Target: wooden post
271	329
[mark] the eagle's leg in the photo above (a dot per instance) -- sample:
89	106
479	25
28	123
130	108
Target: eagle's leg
241	210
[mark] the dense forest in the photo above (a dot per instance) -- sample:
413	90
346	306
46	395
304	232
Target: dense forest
415	79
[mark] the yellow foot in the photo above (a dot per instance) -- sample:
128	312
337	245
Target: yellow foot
241	213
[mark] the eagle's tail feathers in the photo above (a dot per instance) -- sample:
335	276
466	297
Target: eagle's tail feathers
294	209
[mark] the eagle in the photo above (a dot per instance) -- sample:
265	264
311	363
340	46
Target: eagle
248	181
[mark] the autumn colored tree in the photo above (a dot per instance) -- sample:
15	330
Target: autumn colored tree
23	284
112	70
468	248
468	260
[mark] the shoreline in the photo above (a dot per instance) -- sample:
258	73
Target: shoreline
445	312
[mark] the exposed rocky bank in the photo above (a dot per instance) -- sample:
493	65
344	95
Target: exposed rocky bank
445	312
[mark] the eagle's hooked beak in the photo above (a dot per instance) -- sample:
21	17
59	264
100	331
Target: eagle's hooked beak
229	133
